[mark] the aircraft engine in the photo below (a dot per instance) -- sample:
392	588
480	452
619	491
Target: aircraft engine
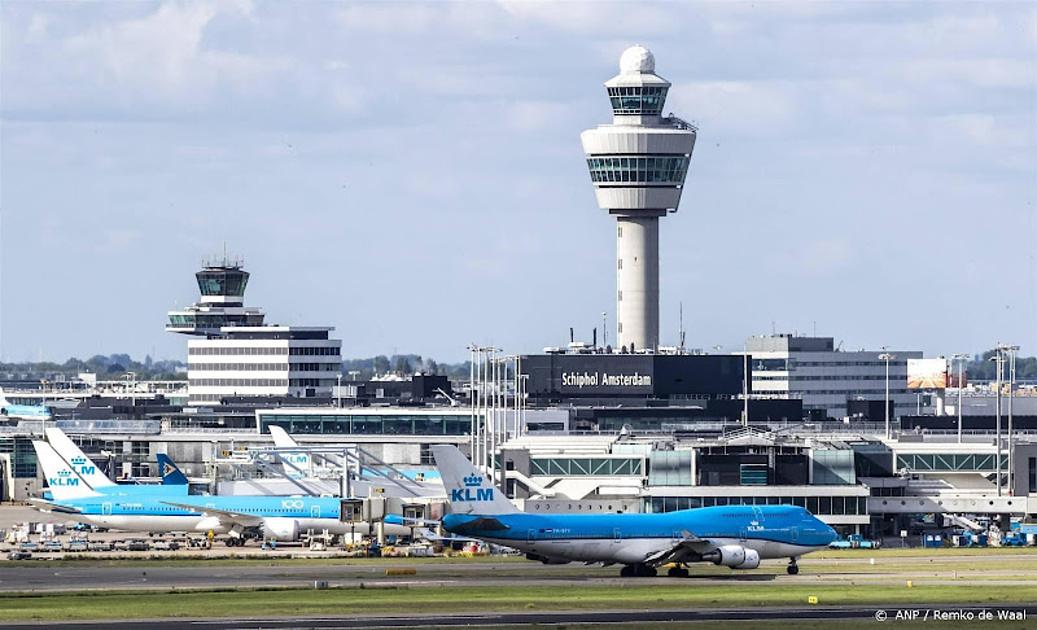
752	560
730	556
545	559
286	529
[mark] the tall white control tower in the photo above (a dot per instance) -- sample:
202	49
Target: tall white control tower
638	165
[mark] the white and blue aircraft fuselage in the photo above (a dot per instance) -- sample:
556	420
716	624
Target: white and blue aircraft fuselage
737	536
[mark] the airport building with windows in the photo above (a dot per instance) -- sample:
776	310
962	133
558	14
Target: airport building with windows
234	353
825	378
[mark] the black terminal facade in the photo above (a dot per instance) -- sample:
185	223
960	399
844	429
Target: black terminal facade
647	391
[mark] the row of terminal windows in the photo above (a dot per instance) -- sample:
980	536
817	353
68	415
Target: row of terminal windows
265	367
637	99
948	461
237	382
594	467
369	425
220	351
661	169
827	506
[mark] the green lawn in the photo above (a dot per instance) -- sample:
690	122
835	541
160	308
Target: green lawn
288	602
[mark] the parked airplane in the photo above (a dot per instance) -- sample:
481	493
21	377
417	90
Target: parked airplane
271	517
736	536
169	472
92	476
296	465
23	412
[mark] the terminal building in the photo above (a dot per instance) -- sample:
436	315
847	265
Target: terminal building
828	380
233	352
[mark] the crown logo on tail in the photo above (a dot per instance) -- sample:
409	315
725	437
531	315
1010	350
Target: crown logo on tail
78	461
473	481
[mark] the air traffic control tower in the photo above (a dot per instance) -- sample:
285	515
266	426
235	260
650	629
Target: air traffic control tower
638	165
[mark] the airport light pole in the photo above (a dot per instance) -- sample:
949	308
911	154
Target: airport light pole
1011	350
960	358
887	357
997	359
745	385
338	391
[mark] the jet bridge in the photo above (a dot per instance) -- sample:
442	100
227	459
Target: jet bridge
318	470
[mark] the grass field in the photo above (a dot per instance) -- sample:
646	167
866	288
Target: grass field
355	600
509	584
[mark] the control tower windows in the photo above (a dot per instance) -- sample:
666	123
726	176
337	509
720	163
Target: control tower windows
222	282
637	100
638	169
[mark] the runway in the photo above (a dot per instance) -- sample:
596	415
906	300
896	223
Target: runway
589	618
44	576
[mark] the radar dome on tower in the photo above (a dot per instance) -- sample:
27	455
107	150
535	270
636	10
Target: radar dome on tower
637	59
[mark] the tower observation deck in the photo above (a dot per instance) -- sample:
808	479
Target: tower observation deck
638	165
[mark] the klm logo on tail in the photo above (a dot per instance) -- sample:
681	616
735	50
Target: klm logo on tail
79	464
64	479
473	490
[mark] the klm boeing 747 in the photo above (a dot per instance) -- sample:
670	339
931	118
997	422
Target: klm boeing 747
737	536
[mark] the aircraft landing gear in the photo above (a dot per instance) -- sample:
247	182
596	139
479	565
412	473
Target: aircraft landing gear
637	570
793	568
677	572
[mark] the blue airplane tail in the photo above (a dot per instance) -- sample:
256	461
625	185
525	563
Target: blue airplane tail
167	469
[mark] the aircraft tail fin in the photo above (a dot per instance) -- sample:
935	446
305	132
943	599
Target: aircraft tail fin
296	465
3	399
64	482
83	465
169	471
281	437
468	490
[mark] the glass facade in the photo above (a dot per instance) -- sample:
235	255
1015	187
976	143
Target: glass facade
636	99
834	467
819	506
662	169
23	456
222	282
670	468
368	424
585	466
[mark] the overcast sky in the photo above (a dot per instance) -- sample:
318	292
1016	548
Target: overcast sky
412	173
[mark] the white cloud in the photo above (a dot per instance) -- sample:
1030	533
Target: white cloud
757	108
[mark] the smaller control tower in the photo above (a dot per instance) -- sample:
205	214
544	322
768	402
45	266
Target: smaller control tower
638	165
221	283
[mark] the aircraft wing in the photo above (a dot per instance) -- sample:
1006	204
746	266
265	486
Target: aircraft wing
681	549
230	516
47	506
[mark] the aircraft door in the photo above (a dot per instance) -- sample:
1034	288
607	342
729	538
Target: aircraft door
314	511
617	535
794	534
106	509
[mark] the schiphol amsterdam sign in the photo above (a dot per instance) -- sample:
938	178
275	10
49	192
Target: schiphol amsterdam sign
580	380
